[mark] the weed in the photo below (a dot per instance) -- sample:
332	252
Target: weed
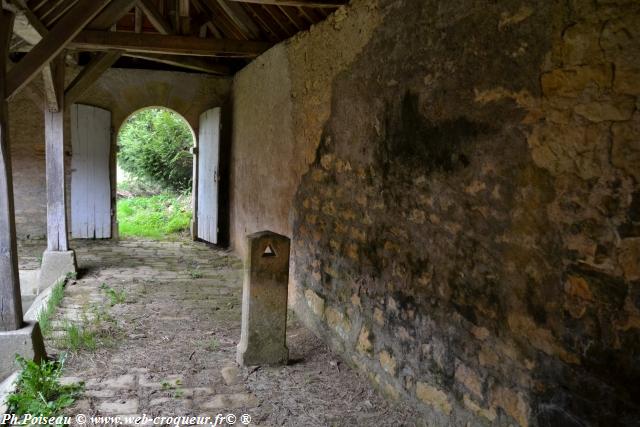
39	392
195	274
213	344
45	315
72	275
168	385
115	297
77	337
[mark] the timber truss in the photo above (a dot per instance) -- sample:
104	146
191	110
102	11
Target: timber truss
207	36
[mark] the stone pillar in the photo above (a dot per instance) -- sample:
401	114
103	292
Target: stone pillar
10	301
264	301
57	260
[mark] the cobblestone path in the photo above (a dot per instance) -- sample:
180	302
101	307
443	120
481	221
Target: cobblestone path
152	328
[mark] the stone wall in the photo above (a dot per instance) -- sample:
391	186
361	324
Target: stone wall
121	91
461	183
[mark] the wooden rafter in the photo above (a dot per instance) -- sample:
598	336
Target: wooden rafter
221	21
52	44
90	74
58	13
53	77
167	44
111	14
189	63
155	17
305	3
241	20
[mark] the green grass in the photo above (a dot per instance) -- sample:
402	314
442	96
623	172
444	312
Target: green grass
78	338
154	217
45	315
115	297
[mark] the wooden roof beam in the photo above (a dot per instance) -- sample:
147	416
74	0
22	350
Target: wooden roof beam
155	17
53	78
52	44
169	44
240	19
190	63
111	14
297	3
89	74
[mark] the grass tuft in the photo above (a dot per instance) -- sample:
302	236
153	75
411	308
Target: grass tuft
115	297
45	315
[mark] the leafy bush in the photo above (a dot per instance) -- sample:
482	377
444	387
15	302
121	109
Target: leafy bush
39	391
154	146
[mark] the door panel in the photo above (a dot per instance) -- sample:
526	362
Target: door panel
90	178
208	158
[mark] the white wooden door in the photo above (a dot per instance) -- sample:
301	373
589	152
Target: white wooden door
90	180
208	158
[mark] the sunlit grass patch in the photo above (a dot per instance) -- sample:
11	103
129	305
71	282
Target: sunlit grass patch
154	217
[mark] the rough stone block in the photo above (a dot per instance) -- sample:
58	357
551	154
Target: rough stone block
264	301
56	265
27	342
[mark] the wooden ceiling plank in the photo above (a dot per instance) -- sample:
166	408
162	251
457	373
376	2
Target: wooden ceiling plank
34	5
167	44
266	26
155	17
58	13
306	3
290	16
207	19
236	13
111	14
190	63
219	18
52	44
51	6
89	74
270	11
306	15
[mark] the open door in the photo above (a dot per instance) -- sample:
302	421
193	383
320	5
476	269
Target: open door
90	180
207	176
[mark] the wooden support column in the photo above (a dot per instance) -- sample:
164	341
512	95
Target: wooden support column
58	260
10	300
54	151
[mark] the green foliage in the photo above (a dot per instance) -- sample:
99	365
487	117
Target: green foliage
155	217
78	338
39	391
45	315
115	297
154	146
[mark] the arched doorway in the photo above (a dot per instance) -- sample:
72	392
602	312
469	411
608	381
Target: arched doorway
154	175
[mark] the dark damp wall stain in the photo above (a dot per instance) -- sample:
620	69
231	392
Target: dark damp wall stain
414	141
425	223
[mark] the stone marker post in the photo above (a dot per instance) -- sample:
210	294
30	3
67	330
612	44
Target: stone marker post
264	300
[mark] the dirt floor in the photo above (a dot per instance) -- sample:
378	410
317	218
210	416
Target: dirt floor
164	318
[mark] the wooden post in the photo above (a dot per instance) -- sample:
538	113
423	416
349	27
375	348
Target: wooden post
54	153
10	300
